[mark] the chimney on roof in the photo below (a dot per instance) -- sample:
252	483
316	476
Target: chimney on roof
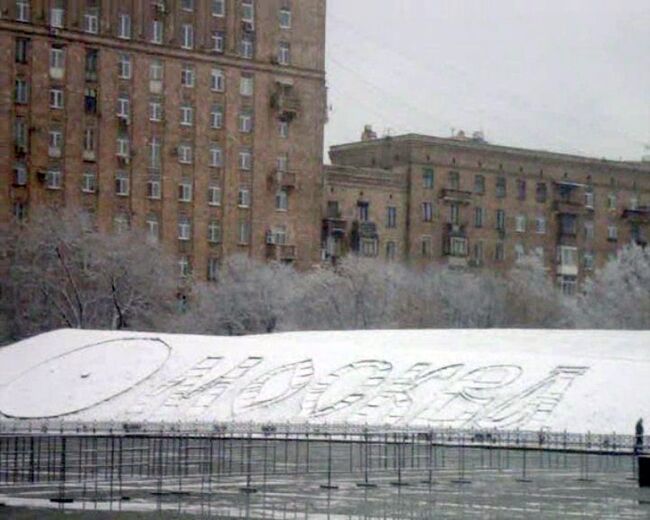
368	133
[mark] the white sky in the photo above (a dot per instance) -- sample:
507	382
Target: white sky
565	75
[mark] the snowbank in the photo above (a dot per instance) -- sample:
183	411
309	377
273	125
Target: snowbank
562	380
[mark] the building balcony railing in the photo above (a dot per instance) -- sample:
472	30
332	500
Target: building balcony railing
364	229
283	179
286	104
281	252
455	230
458	196
561	205
639	215
335	226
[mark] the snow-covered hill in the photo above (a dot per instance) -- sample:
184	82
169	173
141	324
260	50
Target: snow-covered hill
562	380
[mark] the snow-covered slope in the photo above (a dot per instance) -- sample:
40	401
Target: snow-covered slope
562	380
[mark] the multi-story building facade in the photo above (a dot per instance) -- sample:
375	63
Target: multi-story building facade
466	203
199	122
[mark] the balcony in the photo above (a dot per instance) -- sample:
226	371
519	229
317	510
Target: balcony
455	244
640	215
283	179
335	226
281	252
363	229
455	230
569	198
286	103
456	196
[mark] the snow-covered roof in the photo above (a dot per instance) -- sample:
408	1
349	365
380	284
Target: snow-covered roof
580	381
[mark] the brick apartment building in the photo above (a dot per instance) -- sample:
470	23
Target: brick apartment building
463	202
199	122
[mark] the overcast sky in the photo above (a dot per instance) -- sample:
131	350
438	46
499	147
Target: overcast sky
564	75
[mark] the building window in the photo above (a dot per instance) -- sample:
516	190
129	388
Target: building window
124	66
89	182
54	179
283	129
284	53
454	180
246	85
153	228
477	253
90	100
154	188
187	115
568	256
247	47
634	203
568	285
21	50
185	153
499	252
246	121
187	36
501	187
612	201
91	22
155	153
187	75
184	267
185	191
218	7
248	11
21	135
22	11
589	230
458	246
478	217
55	142
589	199
92	64
479	184
217	80
157	32
57	17
187	5
244	232
520	252
501	220
213	269
57	62
568	224
121	223
20	174
589	260
155	110
56	98
391	251
368	247
124	27
363	211
156	71
540	225
426	247
122	184
391	217
89	142
521	189
216	156
281	200
214	232
184	229
214	195
541	192
427	212
285	18
21	94
520	223
218	41
612	233
244	197
216	116
246	160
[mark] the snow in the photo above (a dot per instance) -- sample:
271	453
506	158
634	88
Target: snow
580	381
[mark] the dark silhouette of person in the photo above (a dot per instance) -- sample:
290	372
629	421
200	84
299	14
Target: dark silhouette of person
638	445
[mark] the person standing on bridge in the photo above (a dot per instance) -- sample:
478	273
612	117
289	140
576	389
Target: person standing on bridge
638	445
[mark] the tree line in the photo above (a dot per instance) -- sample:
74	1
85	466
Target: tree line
60	273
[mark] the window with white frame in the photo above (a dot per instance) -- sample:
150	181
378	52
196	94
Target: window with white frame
214	195
21	134
187	5
283	129
56	98
184	229
214	232
122	184
244	232
568	285
156	70
520	252
216	116
22	11
500	252
187	115
21	95
218	41
121	223
247	46
89	182
20	174
589	230
187	36
185	191
218	7
479	217
278	235
248	11
217	80
426	246
520	223
155	110
90	140
213	269
391	251
246	159
612	232
568	256
124	27
282	200
588	260
612	201
427	211
184	267
282	162
154	188
188	75
246	121
153	228
155	153
368	247
284	53
185	153
54	178
57	17
285	17
246	85
157	32
244	197
634	203
57	61
124	68
91	21
589	199
55	144
540	225
216	156
458	246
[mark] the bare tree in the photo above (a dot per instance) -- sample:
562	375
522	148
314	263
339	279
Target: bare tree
63	274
